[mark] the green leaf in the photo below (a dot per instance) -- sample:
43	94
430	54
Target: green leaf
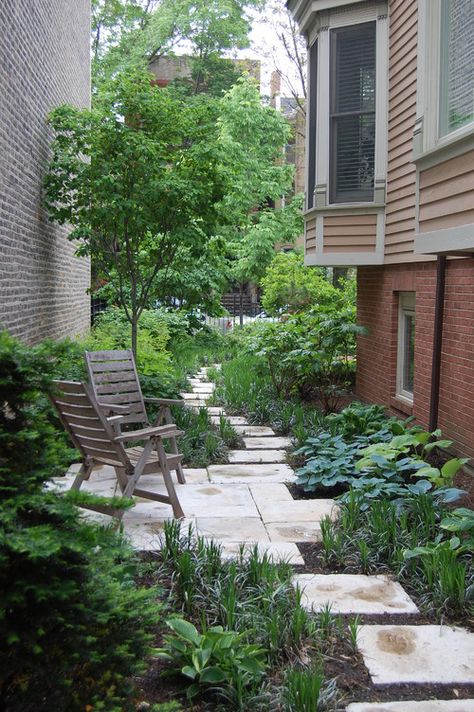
213	675
184	629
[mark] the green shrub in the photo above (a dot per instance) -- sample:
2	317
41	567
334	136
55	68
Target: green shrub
73	626
310	354
290	286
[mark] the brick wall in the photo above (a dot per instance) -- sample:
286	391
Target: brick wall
378	289
44	61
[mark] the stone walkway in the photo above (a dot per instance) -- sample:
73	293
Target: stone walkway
246	502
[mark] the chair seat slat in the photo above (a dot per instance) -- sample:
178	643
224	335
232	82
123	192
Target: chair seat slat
118	387
114	366
110	355
111	377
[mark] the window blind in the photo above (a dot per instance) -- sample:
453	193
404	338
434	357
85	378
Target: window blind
352	109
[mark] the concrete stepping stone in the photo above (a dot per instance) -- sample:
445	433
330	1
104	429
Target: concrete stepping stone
241	529
244	428
412	706
295	532
208	386
265	493
215	410
234	420
250	473
417	654
195	475
274	443
297	510
188	396
256	456
215	501
353	593
283	552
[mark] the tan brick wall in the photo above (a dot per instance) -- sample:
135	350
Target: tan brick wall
378	289
44	61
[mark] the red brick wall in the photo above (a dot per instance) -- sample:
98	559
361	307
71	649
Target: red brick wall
377	303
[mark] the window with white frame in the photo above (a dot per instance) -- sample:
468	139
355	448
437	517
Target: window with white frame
406	345
352	113
456	92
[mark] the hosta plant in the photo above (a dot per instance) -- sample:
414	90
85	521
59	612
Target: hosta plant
214	658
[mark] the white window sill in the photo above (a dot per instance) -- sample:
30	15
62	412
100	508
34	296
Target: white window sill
446	147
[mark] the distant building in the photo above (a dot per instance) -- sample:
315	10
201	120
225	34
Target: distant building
166	69
293	110
44	62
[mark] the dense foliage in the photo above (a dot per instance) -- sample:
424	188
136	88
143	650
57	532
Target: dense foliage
73	625
290	286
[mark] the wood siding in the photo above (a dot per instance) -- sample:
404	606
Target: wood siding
446	192
310	236
349	233
401	171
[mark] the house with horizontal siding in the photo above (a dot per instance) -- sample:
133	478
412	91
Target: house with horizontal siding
390	191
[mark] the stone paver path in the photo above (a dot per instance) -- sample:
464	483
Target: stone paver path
246	503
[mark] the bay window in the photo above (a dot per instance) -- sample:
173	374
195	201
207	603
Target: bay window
352	113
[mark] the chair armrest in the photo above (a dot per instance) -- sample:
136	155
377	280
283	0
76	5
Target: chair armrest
164	401
115	419
164	431
115	407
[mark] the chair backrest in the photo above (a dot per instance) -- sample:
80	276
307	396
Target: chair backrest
88	428
114	379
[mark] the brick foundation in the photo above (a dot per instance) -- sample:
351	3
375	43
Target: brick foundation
377	304
44	62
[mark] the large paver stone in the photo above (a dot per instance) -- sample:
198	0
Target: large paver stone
417	654
353	593
257	456
253	430
411	706
211	500
266	473
263	443
284	551
276	493
295	511
235	529
235	420
296	532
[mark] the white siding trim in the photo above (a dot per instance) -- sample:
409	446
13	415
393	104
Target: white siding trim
343	259
444	241
322	116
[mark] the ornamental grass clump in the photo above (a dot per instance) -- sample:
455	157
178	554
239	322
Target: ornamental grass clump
73	626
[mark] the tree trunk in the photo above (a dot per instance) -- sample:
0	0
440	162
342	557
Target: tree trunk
134	334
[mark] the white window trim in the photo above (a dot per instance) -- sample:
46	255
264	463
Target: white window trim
406	306
327	21
427	139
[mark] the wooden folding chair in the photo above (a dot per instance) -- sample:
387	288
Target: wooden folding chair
95	438
116	386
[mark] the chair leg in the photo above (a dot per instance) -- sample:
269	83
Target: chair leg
174	448
83	474
165	470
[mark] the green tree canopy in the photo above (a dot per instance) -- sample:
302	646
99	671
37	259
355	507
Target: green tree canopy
139	181
289	285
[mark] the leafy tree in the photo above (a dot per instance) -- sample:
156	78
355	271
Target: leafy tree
256	250
139	181
290	285
130	33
